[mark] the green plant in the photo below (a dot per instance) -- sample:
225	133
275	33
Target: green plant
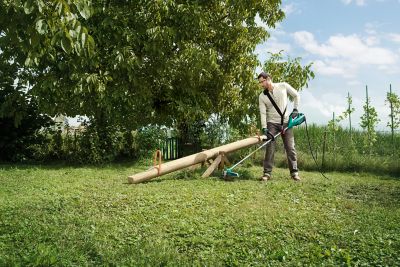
20	118
368	122
137	64
148	139
347	113
394	102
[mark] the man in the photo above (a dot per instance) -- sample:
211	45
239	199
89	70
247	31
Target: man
274	118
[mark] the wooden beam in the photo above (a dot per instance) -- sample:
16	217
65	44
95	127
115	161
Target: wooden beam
192	159
212	167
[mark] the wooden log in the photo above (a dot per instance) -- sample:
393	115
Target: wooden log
212	167
192	159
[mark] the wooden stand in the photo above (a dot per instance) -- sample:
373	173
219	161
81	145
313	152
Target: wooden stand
219	162
194	159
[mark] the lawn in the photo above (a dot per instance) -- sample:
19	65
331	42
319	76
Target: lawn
60	215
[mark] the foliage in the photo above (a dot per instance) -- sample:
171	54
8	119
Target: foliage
333	123
110	144
147	140
89	216
348	111
290	71
394	102
137	62
368	121
87	146
20	119
344	152
370	118
215	132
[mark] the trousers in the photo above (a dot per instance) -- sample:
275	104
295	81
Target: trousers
289	145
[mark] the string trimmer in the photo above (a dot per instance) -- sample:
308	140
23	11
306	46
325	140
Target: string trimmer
299	119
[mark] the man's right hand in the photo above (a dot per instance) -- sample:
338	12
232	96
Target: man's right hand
267	135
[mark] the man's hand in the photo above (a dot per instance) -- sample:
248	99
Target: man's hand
264	131
268	135
294	113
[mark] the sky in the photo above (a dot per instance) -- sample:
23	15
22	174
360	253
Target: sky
352	44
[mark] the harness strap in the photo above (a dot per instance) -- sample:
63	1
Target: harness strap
276	107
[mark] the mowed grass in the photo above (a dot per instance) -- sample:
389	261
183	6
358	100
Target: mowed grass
90	216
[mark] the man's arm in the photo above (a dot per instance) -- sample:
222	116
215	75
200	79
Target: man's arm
293	93
263	112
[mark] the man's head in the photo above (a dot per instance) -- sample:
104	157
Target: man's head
265	80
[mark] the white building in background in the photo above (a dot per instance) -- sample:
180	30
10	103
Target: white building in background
61	122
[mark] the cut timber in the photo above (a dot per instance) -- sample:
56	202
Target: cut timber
192	159
212	167
219	163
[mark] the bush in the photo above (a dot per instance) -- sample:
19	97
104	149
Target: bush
21	124
94	145
147	140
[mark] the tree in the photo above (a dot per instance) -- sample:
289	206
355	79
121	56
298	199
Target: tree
136	62
368	121
347	113
20	119
394	103
290	71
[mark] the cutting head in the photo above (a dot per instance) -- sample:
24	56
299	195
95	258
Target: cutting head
229	173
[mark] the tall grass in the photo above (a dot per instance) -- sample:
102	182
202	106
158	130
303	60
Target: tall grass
341	151
334	151
341	141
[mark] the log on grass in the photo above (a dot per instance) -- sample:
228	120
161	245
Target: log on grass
192	159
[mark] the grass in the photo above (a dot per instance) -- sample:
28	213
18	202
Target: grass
90	216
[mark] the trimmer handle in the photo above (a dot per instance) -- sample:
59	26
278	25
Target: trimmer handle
299	119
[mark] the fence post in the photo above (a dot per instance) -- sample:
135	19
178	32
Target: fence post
334	136
349	110
323	150
176	148
368	129
391	117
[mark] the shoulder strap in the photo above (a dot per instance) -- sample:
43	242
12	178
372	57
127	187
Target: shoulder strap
275	105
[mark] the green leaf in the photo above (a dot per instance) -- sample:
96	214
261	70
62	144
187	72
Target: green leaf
78	29
40	5
91	45
41	26
78	48
59	8
34	40
56	38
28	61
84	9
29	7
83	39
66	44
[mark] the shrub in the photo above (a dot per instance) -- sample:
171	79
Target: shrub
20	123
148	139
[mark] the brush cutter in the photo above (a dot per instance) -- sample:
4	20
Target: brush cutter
299	119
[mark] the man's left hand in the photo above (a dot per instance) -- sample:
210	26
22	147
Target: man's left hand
294	113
